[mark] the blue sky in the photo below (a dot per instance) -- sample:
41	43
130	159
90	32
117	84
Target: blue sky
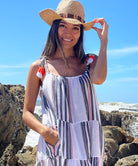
23	35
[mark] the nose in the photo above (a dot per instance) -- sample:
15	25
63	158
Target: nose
68	30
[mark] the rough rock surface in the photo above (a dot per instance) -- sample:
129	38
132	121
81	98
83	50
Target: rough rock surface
12	129
125	120
26	156
121	148
128	161
118	144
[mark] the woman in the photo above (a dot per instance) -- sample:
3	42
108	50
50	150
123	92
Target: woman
70	132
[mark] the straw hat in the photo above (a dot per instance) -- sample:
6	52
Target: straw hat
68	10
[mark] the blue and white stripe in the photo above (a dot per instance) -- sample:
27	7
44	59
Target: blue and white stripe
70	106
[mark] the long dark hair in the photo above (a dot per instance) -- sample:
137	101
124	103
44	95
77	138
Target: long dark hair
53	42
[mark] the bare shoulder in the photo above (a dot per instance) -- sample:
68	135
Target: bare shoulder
32	71
33	82
34	68
35	65
32	87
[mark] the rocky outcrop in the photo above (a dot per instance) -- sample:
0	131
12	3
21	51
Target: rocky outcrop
128	161
125	120
26	156
121	148
18	91
119	131
118	144
12	129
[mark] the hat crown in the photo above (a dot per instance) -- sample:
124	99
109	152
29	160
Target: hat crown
71	11
71	7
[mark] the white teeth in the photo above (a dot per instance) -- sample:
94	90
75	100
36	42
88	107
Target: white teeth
66	39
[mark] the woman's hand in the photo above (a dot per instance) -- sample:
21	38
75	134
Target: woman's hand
102	33
50	135
98	71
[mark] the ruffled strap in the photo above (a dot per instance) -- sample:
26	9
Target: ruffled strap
41	70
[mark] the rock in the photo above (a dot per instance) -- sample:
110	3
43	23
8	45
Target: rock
27	156
127	149
12	128
129	123
118	134
18	91
128	161
8	158
111	148
106	118
114	137
126	120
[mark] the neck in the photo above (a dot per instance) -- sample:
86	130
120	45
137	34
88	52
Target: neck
67	52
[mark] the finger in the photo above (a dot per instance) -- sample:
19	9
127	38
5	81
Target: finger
100	20
97	29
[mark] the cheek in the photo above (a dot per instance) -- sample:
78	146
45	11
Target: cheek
59	32
77	36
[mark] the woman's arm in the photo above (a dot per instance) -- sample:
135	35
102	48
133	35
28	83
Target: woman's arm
31	93
98	71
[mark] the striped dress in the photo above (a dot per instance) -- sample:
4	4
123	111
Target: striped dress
69	105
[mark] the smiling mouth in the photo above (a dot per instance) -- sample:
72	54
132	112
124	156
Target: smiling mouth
68	40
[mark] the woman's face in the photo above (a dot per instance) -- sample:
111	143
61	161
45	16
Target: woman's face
68	34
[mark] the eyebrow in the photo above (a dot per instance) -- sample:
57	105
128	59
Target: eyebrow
63	22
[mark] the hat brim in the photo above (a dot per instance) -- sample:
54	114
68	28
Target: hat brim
49	15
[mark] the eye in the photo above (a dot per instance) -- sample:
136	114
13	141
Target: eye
61	25
77	28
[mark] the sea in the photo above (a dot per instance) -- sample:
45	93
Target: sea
32	137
